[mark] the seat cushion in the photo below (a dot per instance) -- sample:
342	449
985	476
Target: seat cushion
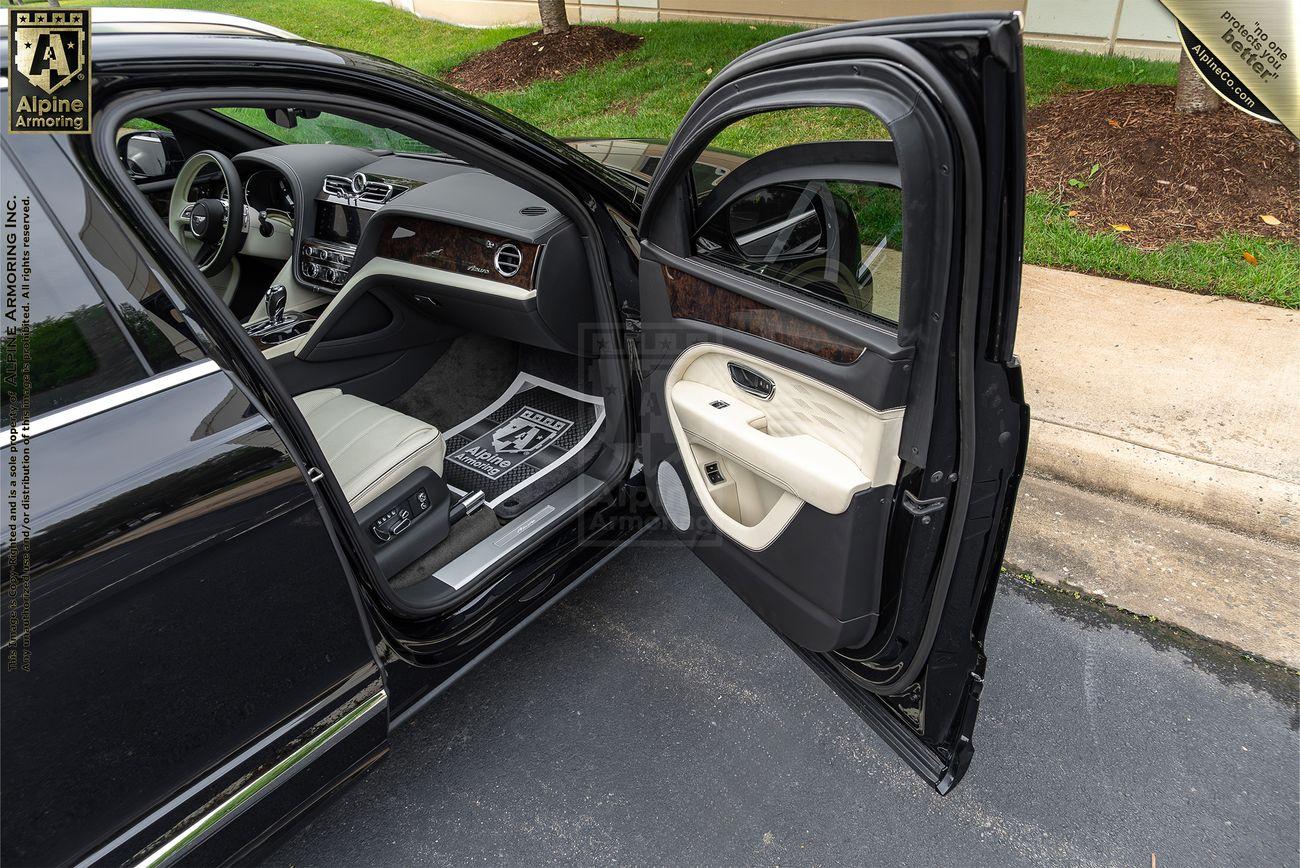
369	447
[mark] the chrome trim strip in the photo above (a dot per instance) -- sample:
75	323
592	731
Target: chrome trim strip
118	397
264	784
344	693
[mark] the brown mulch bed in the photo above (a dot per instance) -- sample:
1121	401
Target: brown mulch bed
533	57
1170	176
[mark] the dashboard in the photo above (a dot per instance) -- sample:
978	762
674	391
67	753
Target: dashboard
426	234
268	190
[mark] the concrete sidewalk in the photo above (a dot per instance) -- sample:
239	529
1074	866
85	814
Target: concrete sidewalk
1174	421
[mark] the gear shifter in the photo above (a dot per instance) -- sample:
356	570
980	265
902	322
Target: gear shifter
276	297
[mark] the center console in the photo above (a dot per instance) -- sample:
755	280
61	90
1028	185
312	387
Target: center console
343	207
280	325
268	333
326	264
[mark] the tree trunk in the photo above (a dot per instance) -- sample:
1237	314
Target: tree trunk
1193	95
555	18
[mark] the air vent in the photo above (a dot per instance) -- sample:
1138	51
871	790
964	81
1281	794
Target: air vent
380	192
361	189
337	185
508	260
532	211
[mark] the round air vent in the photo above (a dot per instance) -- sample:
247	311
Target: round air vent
672	496
532	211
508	260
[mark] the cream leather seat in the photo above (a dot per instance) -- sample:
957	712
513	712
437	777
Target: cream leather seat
369	447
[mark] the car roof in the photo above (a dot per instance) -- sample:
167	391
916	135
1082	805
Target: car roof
117	24
110	20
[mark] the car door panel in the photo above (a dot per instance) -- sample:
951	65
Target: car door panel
813	443
860	508
173	527
189	623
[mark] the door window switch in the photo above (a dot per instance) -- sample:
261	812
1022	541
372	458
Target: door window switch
713	473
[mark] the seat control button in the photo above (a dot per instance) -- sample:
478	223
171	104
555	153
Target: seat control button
419	502
392	523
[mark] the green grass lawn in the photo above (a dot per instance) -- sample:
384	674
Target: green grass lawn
646	92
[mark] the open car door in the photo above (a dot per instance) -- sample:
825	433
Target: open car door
832	415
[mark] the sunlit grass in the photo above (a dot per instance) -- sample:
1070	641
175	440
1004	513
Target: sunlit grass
1216	267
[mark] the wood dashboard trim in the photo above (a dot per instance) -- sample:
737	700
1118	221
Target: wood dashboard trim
458	249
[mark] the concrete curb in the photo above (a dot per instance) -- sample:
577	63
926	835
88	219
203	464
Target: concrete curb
1240	500
1216	582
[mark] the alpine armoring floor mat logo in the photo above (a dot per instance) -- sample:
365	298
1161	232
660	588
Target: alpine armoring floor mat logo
533	431
503	448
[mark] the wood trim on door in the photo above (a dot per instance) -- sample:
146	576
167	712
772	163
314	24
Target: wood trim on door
693	298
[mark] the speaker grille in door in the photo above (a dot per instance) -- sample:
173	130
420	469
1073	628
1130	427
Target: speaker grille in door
672	496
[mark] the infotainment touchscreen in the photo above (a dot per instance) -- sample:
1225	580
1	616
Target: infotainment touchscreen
339	223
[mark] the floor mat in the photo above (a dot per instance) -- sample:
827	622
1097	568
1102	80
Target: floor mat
528	432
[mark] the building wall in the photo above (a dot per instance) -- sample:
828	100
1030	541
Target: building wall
1140	28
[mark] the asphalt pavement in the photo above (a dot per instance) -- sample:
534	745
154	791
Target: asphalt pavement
650	719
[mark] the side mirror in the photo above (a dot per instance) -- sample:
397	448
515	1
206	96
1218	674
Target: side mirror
150	155
781	223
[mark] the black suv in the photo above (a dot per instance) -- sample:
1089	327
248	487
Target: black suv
323	380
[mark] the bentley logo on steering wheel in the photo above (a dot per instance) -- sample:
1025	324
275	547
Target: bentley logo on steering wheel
198	220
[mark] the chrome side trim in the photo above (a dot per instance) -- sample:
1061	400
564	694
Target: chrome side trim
118	397
264	784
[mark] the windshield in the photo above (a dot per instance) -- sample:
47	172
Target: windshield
300	127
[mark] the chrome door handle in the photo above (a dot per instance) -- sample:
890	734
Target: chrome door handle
751	381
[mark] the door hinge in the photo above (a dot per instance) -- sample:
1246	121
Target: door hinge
923	509
631	317
632	337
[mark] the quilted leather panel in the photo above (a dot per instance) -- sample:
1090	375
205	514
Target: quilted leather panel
801	405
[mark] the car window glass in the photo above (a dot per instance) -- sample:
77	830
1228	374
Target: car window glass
112	256
75	348
324	128
838	240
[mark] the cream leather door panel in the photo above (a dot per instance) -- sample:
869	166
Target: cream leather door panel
868	536
756	461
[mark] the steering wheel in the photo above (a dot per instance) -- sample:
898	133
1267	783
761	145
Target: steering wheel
206	228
